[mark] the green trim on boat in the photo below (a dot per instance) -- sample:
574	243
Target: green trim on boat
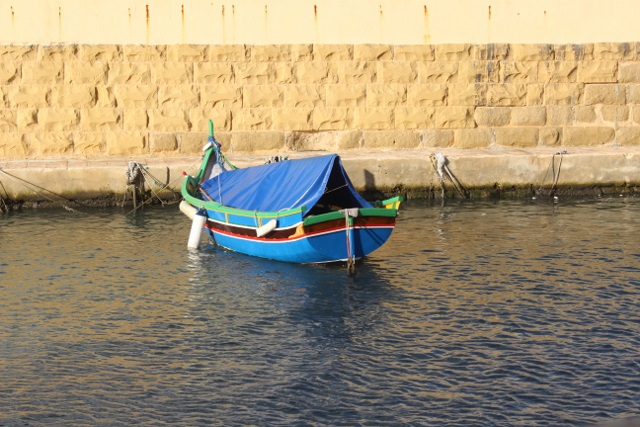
315	219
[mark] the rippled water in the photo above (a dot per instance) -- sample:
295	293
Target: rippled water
475	314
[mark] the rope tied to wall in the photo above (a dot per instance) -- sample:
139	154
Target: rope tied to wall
439	162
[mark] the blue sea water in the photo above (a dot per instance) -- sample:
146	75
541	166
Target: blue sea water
483	313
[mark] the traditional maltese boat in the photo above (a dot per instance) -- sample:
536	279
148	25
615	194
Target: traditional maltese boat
303	211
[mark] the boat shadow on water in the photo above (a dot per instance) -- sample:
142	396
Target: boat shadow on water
320	298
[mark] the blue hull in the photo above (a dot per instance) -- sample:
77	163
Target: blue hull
327	246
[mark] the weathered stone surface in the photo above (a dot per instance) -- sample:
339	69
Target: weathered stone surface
492	116
472	138
528	116
454	117
479	72
342	95
129	73
614	113
437	72
100	52
313	73
493	51
8	72
573	52
426	95
178	97
467	95
258	143
373	118
187	53
13	145
213	73
386	95
454	52
18	53
146	53
604	94
550	136
252	119
609	50
171	73
520	137
414	118
252	73
372	52
531	52
89	143
396	72
221	97
54	144
192	143
262	96
27	118
126	143
588	136
414	53
535	94
229	53
57	52
103	119
104	97
136	96
270	53
8	120
135	119
508	94
168	120
585	114
331	141
303	95
58	119
597	71
332	118
332	52
163	142
73	96
81	72
557	72
392	140
354	71
560	116
635	114
563	94
519	72
628	136
292	119
36	72
628	72
199	119
435	138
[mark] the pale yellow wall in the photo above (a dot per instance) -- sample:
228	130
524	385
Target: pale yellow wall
317	21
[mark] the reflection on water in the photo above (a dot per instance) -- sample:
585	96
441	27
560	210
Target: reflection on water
477	314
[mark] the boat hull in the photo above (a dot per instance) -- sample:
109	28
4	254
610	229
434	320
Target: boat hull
321	244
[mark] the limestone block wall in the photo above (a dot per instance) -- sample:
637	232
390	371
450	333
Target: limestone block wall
89	101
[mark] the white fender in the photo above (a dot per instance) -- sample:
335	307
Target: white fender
267	228
188	210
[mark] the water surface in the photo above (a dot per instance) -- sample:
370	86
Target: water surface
510	313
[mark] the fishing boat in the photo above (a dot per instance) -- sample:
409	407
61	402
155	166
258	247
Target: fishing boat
303	210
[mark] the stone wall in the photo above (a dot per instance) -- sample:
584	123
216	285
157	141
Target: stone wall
90	101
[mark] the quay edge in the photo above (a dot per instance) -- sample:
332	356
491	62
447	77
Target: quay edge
413	173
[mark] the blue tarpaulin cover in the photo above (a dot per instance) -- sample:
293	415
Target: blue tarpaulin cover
286	185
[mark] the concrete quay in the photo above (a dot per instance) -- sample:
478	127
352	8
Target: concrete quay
412	173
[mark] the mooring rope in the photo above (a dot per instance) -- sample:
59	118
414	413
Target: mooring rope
556	176
40	190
